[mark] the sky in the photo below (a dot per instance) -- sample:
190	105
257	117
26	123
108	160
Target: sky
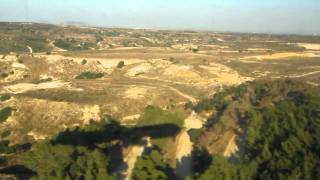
259	16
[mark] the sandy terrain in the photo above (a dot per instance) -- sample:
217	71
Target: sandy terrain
231	147
181	73
185	47
30	49
309	46
90	113
184	145
303	75
18	65
130	118
43	118
193	121
139	69
224	74
18	75
190	98
24	87
36	136
105	62
131	157
281	56
147	66
258	49
135	92
55	48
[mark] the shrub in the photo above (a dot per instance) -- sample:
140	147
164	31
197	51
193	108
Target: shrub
188	105
5	113
89	75
5	97
83	62
120	64
4	75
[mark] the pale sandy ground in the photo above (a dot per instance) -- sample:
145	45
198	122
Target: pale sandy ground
55	48
184	47
181	73
187	75
258	49
302	75
131	117
37	136
220	39
131	154
18	65
139	69
19	69
131	158
135	92
18	75
184	145
190	98
312	83
282	55
106	63
43	111
309	46
147	66
90	113
30	49
225	75
215	46
231	147
10	58
24	87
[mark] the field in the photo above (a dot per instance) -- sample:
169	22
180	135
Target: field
54	78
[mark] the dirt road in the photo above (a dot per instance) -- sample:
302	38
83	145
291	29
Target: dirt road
25	87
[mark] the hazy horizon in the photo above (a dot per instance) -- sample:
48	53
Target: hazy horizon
276	17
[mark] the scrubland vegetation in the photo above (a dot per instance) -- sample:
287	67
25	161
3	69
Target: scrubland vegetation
107	103
280	132
89	75
5	113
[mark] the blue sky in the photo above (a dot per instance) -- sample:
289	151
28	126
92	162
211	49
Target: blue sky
271	16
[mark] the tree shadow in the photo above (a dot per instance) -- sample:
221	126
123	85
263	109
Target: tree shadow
201	160
184	167
115	138
19	171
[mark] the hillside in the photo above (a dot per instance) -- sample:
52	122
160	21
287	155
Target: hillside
275	128
258	130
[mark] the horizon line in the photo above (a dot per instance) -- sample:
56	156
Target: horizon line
88	25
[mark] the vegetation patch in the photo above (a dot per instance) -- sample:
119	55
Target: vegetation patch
72	44
90	152
154	115
90	75
5	113
152	166
5	97
120	64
